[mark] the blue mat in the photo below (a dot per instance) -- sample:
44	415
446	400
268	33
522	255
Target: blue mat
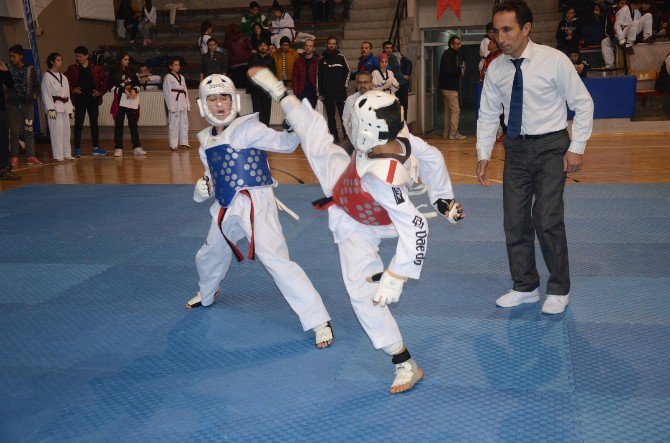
95	344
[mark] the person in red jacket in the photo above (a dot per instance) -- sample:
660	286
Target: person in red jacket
304	74
239	50
88	83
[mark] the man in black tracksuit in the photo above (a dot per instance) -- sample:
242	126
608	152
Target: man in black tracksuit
5	167
333	75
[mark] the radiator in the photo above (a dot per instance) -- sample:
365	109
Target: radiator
152	110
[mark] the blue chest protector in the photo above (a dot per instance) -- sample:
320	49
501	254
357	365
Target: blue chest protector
233	170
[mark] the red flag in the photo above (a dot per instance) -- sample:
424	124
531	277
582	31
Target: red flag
455	6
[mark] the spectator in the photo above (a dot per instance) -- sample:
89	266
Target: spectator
282	25
297	9
285	59
383	78
569	31
20	106
212	62
333	75
7	81
304	74
258	33
88	83
205	34
594	31
125	86
363	85
239	50
56	99
175	93
608	44
630	22
260	101
580	65
321	10
484	45
148	81
367	61
493	53
663	80
252	16
148	22
449	79
395	66
130	17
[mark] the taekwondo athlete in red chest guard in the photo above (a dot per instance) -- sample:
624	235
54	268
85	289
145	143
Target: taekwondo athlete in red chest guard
237	173
369	201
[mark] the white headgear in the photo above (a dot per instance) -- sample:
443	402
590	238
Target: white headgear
213	85
368	130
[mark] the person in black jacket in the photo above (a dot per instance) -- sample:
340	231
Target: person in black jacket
449	78
125	86
332	76
568	32
6	80
260	100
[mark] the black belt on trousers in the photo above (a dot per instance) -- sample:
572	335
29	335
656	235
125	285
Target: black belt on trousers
539	136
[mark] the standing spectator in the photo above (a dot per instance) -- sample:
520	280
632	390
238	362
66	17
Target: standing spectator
206	29
282	25
395	59
176	100
383	78
493	53
258	33
594	30
212	62
363	85
531	84
260	101
285	59
7	81
333	75
253	15
148	81
88	83
568	32
239	50
450	76
148	22
125	85
663	80
484	45
130	17
20	106
304	74
56	99
367	61
580	65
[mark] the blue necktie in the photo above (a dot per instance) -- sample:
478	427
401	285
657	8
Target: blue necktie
515	105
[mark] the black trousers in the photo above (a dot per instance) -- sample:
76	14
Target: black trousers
80	110
534	168
4	140
402	94
332	123
261	102
132	124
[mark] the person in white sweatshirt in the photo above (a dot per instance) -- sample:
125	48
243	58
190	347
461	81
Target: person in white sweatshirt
56	98
176	100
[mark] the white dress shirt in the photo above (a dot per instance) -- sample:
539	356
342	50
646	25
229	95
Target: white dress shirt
549	81
346	113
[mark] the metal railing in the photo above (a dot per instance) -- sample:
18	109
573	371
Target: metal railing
400	15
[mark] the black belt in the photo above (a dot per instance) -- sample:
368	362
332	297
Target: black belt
538	136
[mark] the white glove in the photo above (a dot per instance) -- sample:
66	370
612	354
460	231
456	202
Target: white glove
173	110
51	113
450	209
202	187
267	81
389	290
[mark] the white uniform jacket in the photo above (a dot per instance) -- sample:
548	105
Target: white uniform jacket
175	92
56	92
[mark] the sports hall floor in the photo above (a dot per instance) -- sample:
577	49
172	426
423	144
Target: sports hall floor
95	345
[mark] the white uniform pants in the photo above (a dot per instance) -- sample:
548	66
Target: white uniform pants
608	49
358	244
213	258
178	124
59	128
642	25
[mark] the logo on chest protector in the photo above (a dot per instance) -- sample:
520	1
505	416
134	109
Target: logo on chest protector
397	194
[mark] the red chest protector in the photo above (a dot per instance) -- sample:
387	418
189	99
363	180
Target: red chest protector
349	195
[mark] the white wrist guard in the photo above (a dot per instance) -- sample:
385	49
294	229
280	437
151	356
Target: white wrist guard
267	81
202	188
389	290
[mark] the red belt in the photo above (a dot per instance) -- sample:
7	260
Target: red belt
179	92
236	251
61	99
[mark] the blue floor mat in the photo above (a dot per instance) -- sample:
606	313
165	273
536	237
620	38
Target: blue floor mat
95	344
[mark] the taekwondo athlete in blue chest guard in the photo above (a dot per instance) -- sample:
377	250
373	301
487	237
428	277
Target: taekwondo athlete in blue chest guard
237	173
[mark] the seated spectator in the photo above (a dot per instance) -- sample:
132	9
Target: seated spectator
630	22
148	81
148	22
285	58
282	25
569	31
594	31
663	80
130	17
258	33
213	62
239	50
252	16
580	65
383	78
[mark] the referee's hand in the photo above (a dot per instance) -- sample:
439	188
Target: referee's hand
482	165
572	162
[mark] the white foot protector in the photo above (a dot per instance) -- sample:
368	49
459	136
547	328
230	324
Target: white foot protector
407	374
323	335
196	301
